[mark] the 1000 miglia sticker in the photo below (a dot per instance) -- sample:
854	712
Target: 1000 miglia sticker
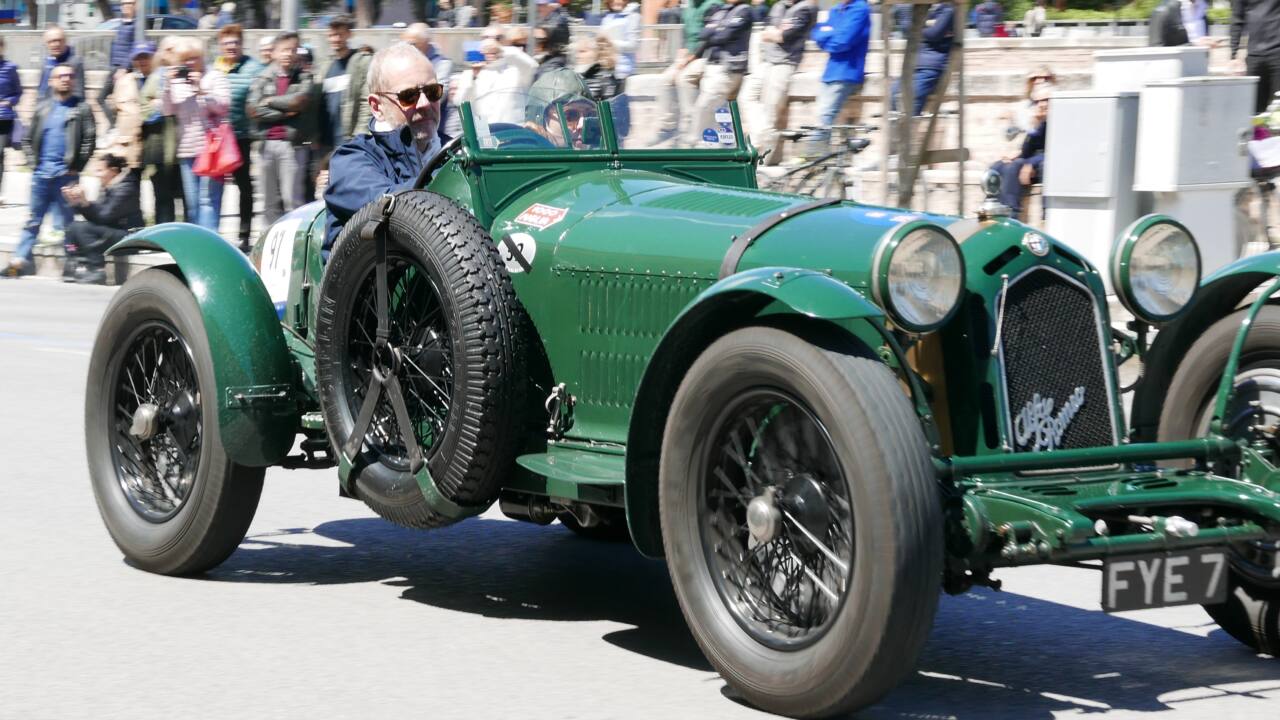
541	216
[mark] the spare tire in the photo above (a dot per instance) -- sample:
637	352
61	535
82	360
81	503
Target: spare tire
455	323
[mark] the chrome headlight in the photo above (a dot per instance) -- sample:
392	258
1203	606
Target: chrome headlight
918	276
1155	268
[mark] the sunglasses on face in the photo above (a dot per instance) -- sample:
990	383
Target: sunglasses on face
409	96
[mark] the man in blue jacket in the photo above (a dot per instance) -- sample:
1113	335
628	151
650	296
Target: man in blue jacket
10	94
404	99
844	36
122	43
935	48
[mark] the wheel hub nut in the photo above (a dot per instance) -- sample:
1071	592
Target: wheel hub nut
145	422
763	517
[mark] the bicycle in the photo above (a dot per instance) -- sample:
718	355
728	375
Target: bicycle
822	176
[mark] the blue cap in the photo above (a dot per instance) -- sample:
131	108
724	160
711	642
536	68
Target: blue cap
142	48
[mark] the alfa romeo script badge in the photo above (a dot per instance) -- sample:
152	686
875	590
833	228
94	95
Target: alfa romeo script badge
1036	243
1037	427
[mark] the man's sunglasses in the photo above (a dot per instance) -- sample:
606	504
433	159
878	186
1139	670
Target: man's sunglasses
409	96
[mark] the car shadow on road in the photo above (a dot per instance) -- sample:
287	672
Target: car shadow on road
991	655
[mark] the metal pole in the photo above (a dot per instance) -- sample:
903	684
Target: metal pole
40	14
140	21
289	15
531	45
961	14
886	132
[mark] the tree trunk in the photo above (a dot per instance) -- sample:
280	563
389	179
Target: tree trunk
906	102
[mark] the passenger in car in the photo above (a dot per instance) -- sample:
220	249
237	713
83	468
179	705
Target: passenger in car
404	99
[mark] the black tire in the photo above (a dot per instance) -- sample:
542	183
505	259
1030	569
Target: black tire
1251	613
871	638
432	244
155	532
612	526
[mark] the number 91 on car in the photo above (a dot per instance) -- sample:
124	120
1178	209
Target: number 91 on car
1135	582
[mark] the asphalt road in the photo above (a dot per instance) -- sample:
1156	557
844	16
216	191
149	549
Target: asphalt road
328	612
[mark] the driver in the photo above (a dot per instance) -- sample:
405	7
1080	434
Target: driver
581	118
404	99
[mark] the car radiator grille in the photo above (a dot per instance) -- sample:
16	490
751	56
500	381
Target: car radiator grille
1057	385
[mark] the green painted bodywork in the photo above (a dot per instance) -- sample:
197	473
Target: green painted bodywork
623	289
257	408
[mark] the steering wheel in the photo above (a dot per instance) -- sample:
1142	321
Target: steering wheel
436	162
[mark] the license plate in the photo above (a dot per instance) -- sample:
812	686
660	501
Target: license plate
1187	577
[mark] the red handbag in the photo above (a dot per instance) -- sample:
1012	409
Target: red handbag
221	154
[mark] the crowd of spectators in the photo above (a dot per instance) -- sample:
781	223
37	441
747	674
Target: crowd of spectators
284	117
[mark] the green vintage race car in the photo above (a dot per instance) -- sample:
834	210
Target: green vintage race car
821	414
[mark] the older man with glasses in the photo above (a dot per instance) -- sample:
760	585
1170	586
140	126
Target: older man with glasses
404	100
60	53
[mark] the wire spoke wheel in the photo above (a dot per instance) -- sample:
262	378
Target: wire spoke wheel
156	425
777	525
171	498
1251	613
420	356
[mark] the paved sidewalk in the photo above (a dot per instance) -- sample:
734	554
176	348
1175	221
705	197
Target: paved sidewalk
15	197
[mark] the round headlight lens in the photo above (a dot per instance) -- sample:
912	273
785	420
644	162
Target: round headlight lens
922	280
1163	271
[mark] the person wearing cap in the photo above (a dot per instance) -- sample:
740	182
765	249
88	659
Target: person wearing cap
125	102
240	69
280	99
404	102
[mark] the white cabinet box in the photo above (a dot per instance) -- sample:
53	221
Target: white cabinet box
1134	69
1209	212
1189	132
1088	171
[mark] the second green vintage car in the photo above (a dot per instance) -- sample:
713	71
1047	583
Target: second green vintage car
821	414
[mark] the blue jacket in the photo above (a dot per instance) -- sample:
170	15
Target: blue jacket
987	16
845	35
10	90
122	45
939	33
366	167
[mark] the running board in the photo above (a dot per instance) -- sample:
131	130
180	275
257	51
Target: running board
584	475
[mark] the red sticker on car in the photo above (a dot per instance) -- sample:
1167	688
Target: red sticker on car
542	216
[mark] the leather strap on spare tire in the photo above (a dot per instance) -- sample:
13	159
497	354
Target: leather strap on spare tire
420	360
383	379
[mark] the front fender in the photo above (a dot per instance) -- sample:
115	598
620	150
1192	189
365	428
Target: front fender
258	413
731	303
1219	295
